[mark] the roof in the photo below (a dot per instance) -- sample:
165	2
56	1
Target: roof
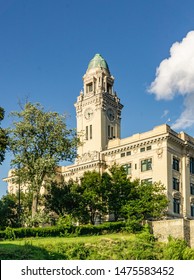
98	61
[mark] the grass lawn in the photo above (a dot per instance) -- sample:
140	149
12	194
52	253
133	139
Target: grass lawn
61	247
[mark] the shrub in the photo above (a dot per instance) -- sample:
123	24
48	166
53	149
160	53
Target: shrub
63	230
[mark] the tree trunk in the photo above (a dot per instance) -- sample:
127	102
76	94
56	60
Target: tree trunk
34	204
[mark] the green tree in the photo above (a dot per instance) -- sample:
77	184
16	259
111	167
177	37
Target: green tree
63	198
8	211
3	137
91	190
148	201
39	140
117	189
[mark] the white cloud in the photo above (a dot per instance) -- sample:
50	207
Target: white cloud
175	76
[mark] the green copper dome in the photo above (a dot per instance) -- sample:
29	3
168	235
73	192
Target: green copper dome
98	61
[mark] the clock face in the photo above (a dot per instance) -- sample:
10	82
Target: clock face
110	114
88	113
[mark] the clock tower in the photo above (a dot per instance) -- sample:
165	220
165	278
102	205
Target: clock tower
98	110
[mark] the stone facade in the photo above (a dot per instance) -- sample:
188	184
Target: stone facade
158	155
177	228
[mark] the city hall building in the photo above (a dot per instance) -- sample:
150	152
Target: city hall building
158	155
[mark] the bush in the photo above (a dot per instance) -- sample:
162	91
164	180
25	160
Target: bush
65	230
174	249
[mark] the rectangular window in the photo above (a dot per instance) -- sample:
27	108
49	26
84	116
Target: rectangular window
90	131
128	153
122	154
192	165
112	132
176	184
127	168
192	209
89	87
147	181
149	148
192	188
175	164
86	132
109	88
108	131
176	205
146	164
142	149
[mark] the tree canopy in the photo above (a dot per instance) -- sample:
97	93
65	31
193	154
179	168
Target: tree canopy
111	193
39	140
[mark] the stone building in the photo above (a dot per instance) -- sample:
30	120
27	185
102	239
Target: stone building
160	154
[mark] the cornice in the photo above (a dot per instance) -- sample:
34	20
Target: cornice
83	167
133	146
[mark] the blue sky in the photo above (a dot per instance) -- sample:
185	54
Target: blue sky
46	45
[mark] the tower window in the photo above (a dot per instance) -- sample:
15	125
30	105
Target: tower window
89	87
90	131
86	132
109	88
110	132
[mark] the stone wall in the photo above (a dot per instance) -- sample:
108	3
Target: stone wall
177	228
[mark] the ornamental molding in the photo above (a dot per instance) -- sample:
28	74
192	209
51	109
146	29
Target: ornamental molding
191	199
176	194
89	156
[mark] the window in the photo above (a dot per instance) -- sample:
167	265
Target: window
146	164
148	148
175	164
109	88
127	168
192	165
122	154
192	188
110	132
89	87
176	205
147	181
128	153
176	184
86	132
192	209
90	131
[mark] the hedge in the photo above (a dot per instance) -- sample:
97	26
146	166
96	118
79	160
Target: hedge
69	230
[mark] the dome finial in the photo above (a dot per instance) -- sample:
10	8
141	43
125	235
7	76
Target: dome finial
98	61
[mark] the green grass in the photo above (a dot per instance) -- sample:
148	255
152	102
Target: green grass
118	246
57	247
